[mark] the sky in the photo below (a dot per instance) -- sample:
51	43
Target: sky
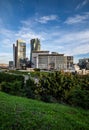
61	25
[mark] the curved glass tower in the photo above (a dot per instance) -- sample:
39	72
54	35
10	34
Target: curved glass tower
35	46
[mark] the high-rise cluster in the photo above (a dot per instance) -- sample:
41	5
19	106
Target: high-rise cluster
38	58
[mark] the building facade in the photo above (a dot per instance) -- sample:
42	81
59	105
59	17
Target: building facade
10	64
19	53
53	61
35	57
35	46
14	55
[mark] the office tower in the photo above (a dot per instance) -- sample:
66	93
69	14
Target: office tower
19	53
35	46
14	55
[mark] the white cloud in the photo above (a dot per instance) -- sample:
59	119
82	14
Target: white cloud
8	37
45	19
69	43
28	22
82	49
73	37
81	4
6	32
27	34
6	57
54	39
77	19
6	43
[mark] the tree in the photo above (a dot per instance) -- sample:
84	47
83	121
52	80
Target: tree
14	88
30	88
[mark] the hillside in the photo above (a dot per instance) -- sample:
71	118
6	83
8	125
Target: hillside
17	113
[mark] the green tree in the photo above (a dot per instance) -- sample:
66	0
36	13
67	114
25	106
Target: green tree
14	88
30	88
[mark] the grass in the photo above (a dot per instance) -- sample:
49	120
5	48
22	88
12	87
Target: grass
17	113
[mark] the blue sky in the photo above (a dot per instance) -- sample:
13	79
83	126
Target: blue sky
61	25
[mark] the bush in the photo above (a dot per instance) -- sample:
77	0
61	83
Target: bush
79	98
65	88
52	87
14	88
30	88
48	98
37	69
4	77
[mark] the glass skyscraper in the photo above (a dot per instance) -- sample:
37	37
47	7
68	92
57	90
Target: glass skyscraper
35	46
19	53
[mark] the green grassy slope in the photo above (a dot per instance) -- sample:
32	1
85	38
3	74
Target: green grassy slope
18	113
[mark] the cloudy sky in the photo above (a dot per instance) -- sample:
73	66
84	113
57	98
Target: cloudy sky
61	25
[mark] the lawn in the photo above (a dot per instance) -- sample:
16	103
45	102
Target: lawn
17	113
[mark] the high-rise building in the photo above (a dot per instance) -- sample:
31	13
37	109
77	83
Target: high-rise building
14	55
35	46
19	53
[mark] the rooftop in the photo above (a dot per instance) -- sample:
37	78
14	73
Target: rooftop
40	51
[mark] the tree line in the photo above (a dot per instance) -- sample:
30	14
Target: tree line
57	87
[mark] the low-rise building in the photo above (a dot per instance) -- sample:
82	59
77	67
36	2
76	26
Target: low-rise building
84	63
10	64
54	61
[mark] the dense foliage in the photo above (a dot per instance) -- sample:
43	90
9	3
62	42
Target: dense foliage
52	87
12	84
62	87
66	88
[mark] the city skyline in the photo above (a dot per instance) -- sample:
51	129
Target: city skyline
61	26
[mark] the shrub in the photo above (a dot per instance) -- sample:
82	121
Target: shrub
79	98
14	88
30	88
37	69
